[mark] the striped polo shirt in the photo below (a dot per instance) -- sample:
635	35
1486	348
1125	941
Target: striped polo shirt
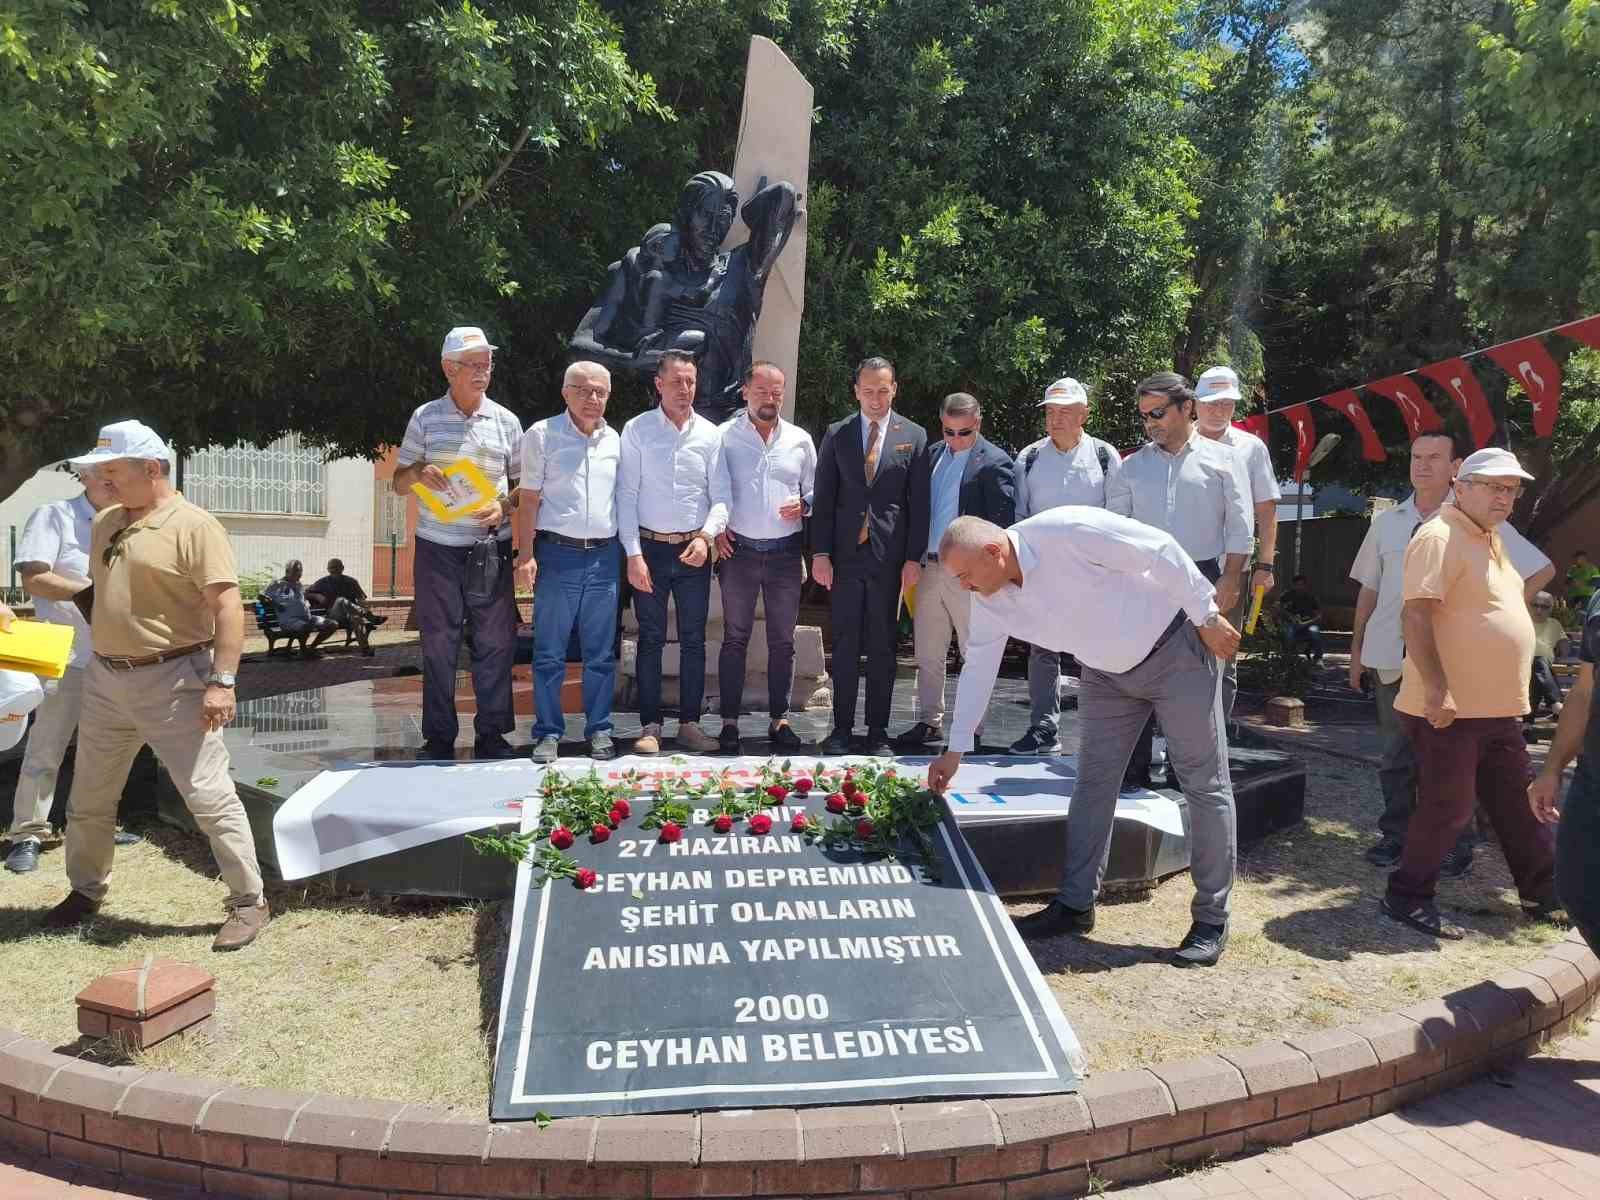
441	434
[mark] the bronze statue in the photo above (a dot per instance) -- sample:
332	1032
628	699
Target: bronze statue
677	290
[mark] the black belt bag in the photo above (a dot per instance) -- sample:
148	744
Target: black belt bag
483	568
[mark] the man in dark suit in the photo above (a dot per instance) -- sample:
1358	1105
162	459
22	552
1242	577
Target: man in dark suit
962	475
867	537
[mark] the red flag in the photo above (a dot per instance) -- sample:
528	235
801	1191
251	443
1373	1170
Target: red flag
1586	331
1408	398
1256	425
1455	377
1530	364
1305	436
1347	403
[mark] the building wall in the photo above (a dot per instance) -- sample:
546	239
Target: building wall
262	544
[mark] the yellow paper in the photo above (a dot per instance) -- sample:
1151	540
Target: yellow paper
469	491
1255	610
37	647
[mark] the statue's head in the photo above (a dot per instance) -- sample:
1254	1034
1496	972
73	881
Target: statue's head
706	209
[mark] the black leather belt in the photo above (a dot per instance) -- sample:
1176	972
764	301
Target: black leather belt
562	539
121	662
790	541
1167	634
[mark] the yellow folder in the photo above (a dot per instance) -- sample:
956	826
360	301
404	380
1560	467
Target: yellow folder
37	647
469	491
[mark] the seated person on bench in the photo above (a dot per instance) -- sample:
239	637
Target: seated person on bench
345	601
294	614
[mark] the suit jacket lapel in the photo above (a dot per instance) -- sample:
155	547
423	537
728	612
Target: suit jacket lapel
971	467
852	455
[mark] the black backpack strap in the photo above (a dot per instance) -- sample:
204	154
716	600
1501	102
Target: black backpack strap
1103	453
1028	459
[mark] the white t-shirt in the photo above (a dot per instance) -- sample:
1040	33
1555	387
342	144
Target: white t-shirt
58	534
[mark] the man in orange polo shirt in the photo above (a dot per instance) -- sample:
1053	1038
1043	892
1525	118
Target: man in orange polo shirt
1463	691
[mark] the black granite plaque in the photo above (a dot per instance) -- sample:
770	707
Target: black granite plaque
736	971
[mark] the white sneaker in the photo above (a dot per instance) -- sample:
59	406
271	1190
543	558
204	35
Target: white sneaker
692	737
648	741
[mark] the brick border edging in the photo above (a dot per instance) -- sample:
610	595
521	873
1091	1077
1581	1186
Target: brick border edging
1124	1126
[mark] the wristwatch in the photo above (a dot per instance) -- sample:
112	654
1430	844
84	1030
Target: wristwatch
1212	621
220	679
1267	567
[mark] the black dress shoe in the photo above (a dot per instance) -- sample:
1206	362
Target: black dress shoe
728	739
1202	947
436	750
24	856
837	742
878	744
919	735
1054	919
1386	851
783	737
123	837
1458	862
1135	781
71	912
494	747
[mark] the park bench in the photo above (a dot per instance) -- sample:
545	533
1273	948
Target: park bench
267	623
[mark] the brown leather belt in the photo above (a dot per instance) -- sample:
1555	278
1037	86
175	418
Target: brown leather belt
672	539
119	662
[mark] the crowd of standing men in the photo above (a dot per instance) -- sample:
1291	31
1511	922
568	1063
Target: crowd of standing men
1138	567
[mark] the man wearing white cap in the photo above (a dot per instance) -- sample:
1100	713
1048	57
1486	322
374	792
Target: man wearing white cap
464	424
1463	692
167	626
1065	467
1216	395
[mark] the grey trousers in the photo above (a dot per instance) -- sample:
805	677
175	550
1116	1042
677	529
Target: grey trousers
1181	683
1044	681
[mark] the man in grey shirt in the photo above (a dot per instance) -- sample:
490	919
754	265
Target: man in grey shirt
1065	467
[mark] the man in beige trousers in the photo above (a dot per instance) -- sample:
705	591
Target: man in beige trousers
167	627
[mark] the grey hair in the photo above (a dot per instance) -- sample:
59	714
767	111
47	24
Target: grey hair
960	404
1545	596
970	533
587	369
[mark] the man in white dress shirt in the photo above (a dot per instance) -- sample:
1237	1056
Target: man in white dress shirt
768	469
571	558
53	561
1065	467
1194	489
1147	631
1217	396
1377	649
669	523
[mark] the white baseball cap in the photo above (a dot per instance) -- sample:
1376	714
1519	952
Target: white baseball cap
1065	390
464	338
124	439
20	694
1217	383
1491	460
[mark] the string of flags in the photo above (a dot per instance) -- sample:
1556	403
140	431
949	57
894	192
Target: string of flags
1527	360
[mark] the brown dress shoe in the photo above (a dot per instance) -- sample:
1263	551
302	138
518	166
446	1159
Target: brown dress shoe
73	911
242	927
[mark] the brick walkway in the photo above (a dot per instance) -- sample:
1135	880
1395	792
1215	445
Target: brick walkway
1530	1134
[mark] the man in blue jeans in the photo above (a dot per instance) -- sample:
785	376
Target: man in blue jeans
1578	837
570	557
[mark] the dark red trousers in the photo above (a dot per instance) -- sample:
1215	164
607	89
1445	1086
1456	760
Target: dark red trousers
1470	761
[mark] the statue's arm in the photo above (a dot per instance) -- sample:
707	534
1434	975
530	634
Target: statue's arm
590	335
770	215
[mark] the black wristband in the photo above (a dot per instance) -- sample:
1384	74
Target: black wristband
1268	567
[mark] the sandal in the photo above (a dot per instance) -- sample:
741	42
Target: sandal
1422	916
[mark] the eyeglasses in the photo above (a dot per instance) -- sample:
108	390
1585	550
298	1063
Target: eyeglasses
116	548
1505	491
475	368
1156	413
578	389
958	433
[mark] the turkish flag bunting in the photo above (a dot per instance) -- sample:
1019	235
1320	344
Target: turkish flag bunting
1586	331
1348	403
1413	405
1305	436
1256	425
1530	364
1455	377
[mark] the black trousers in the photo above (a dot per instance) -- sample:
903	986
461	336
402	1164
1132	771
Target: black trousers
865	602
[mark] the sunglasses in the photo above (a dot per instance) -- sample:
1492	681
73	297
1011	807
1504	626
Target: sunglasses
115	548
958	433
1156	413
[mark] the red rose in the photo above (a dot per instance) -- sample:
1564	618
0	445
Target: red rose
585	878
722	822
561	837
621	809
671	831
804	784
858	802
613	818
600	832
777	791
889	774
761	823
849	788
798	825
836	803
865	828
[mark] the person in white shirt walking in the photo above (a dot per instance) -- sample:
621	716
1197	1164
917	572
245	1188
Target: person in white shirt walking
669	524
1194	489
1067	466
767	472
570	557
53	561
1147	631
1217	396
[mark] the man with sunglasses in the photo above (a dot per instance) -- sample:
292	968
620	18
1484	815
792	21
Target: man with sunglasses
963	474
1192	488
167	627
1463	690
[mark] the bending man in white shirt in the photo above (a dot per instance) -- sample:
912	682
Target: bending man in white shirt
1146	629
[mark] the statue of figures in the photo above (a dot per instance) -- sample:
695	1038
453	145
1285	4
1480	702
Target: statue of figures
677	290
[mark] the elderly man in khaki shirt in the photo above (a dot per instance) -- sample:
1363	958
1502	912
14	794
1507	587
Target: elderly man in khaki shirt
167	627
1463	691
